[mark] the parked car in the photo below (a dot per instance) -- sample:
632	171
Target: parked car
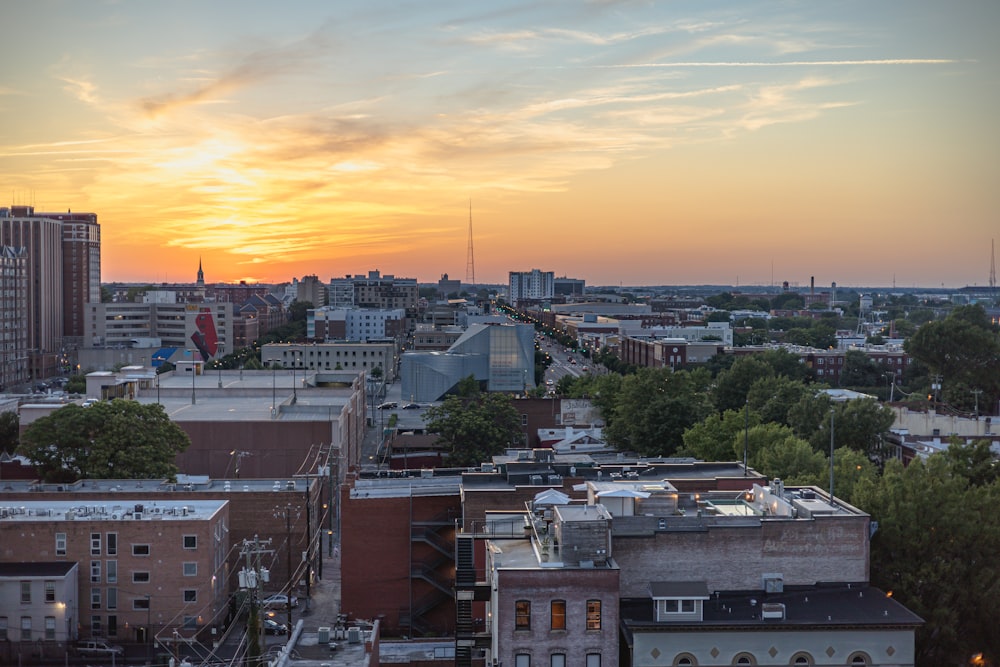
387	406
412	406
272	627
279	600
99	648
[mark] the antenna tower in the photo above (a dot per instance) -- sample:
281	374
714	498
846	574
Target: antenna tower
470	260
993	268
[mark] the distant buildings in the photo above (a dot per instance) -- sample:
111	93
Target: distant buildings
531	285
62	256
501	357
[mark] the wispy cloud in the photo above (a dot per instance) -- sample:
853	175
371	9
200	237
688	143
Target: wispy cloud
785	63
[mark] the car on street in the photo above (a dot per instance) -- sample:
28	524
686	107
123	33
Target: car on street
272	627
412	406
387	406
99	648
279	600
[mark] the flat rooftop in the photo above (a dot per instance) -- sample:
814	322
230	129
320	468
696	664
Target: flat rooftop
138	487
125	508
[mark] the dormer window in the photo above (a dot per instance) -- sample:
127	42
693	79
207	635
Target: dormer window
678	601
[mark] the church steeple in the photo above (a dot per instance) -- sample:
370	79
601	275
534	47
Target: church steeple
201	274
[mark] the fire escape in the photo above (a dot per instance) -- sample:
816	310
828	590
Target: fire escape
431	565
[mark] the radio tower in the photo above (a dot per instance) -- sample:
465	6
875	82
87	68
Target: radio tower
993	265
470	260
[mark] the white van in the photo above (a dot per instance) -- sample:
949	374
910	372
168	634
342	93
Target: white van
98	647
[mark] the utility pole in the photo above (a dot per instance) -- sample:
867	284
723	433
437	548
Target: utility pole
252	577
286	512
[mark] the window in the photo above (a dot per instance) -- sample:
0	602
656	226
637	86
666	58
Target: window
140	604
112	626
50	591
25	592
112	601
190	569
190	622
25	628
802	658
190	595
60	544
593	660
95	571
522	615
522	660
95	626
140	577
557	660
558	608
190	541
95	598
112	572
687	606
3	628
50	628
140	549
685	659
744	659
111	544
859	658
95	544
593	614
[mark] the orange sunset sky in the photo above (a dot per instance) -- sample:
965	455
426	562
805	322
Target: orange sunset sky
620	142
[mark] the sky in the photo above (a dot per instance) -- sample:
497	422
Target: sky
623	142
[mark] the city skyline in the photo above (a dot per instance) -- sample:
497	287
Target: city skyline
623	143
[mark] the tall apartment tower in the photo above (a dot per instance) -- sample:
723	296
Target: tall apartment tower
42	239
81	270
13	313
531	285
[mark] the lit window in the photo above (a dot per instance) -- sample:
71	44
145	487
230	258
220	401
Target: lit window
558	615
522	615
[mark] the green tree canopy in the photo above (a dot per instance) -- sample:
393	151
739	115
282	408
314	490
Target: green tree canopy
772	397
475	427
117	439
719	437
733	385
655	406
935	549
10	425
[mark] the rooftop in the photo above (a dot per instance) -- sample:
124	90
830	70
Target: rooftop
117	510
36	569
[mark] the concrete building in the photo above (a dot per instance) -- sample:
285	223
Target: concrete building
42	239
14	366
146	569
355	324
310	289
349	357
572	287
39	609
534	285
500	357
206	327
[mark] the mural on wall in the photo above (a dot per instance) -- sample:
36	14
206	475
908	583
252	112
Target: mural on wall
205	338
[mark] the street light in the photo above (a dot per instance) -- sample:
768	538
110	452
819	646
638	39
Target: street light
194	371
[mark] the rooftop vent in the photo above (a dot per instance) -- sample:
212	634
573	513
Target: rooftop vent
773	611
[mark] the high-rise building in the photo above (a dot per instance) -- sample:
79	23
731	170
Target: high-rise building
41	237
13	311
531	285
81	269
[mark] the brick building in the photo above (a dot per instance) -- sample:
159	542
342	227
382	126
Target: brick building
145	568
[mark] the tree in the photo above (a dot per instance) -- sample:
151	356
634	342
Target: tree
732	386
117	439
76	384
860	370
475	427
935	548
776	452
718	437
10	425
655	406
772	396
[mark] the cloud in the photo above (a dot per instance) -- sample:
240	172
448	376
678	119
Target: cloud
786	63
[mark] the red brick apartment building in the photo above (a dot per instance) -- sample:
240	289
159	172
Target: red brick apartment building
294	515
146	568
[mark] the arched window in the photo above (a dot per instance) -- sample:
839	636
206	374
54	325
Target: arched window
685	659
744	659
859	658
801	658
